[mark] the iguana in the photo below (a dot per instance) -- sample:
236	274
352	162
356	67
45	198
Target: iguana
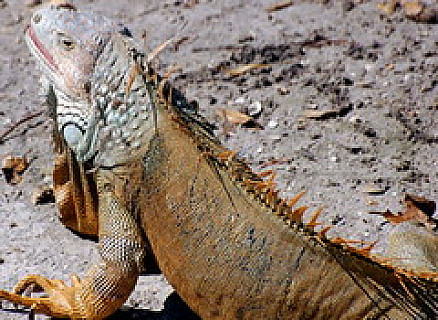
138	166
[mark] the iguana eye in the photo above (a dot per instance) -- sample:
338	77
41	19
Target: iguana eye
66	42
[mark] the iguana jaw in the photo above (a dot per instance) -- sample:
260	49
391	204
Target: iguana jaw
50	70
39	51
53	81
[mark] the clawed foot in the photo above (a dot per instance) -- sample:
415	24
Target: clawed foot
58	299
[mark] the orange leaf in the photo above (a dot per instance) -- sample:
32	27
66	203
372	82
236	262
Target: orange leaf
13	168
234	117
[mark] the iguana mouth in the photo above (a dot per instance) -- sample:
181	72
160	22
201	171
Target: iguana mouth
39	48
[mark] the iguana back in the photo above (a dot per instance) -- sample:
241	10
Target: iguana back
233	254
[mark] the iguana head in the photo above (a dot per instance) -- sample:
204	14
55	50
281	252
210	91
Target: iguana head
67	43
86	64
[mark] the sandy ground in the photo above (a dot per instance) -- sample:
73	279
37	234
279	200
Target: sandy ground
375	72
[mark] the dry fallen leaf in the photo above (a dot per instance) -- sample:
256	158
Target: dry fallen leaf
388	7
13	168
419	206
416	208
43	195
419	12
234	117
414	10
369	201
190	3
390	67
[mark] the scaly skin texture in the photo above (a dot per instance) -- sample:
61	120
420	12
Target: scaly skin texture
139	167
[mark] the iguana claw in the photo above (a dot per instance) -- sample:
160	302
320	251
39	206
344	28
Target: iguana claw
58	301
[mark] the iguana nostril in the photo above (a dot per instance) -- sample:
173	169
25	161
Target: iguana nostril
36	18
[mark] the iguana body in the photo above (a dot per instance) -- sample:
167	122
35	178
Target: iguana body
134	153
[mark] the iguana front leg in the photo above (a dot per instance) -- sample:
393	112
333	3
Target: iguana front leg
107	285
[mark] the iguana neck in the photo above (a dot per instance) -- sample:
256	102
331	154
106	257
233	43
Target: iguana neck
111	126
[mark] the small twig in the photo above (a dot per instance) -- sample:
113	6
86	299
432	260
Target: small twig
279	6
245	68
276	161
20	122
152	55
218	48
179	42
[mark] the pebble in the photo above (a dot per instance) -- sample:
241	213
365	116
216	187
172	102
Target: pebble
255	109
240	100
272	124
283	90
355	119
373	189
6	121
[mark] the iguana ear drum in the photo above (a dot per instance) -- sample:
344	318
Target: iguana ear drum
72	135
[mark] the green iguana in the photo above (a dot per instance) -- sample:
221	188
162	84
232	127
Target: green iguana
138	166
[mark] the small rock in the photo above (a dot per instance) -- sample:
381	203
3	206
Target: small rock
6	121
283	91
272	124
255	109
240	100
355	119
373	189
